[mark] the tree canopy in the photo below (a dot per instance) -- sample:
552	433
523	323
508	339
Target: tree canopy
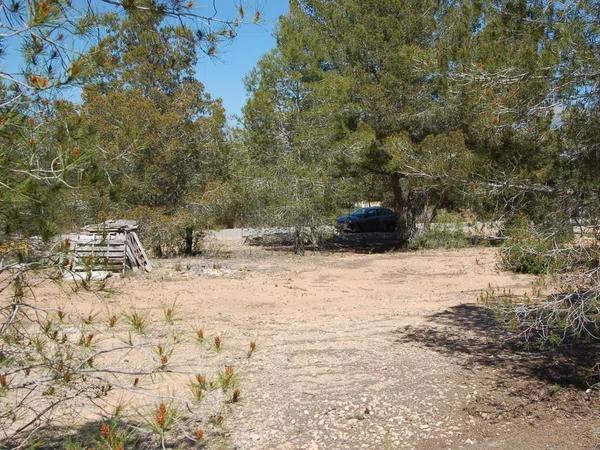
428	104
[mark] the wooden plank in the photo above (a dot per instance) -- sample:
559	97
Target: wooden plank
97	249
101	255
133	262
138	247
109	243
117	267
92	269
106	250
132	253
118	225
97	237
92	260
99	262
103	247
100	258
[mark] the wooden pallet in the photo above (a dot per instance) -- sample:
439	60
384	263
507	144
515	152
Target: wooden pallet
94	251
115	251
136	253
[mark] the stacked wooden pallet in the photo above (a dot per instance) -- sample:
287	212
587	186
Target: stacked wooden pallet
112	245
95	251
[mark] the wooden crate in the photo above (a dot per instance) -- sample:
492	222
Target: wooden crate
115	251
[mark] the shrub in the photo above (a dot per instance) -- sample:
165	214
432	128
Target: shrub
169	235
564	318
55	364
528	250
560	312
446	232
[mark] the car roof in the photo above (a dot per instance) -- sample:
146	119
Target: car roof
374	208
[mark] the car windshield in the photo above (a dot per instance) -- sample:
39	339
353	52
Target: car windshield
359	212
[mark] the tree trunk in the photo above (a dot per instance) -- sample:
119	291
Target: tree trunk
406	222
189	242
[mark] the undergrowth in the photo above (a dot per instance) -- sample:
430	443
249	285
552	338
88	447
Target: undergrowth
448	231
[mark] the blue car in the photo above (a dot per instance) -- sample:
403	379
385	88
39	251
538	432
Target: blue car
368	220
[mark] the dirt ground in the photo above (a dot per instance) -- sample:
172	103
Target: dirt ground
368	351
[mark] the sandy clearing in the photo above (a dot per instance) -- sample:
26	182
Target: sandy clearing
334	366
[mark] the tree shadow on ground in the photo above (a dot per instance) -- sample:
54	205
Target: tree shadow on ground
375	242
364	242
470	334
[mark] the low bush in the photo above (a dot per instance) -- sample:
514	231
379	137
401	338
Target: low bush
170	234
529	250
563	318
441	238
299	238
74	382
562	311
446	232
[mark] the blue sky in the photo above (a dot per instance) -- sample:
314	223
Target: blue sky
224	75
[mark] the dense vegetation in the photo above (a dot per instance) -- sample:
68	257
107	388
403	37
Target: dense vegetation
489	107
479	105
486	107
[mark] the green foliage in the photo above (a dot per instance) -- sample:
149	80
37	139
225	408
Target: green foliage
429	104
561	318
137	321
73	445
528	250
199	386
146	134
113	435
227	379
67	364
160	135
279	174
41	156
446	232
492	106
169	235
345	89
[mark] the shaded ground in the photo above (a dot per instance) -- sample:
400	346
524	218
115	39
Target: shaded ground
363	242
367	351
469	332
282	240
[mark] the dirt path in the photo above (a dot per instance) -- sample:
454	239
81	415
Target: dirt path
368	351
